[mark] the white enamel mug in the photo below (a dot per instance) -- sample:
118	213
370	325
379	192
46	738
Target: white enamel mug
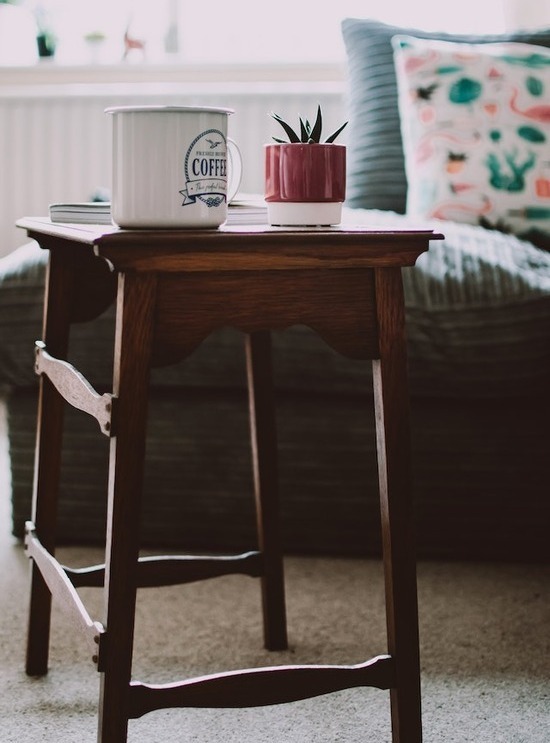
173	166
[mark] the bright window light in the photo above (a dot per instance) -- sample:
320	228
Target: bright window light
242	31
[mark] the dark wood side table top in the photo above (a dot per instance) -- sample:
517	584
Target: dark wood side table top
240	247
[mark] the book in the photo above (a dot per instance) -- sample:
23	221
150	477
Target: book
83	212
247	209
244	209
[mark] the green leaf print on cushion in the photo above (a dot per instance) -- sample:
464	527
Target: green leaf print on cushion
531	134
465	91
512	180
534	61
534	85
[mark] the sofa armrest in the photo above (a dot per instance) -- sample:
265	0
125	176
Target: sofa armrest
22	275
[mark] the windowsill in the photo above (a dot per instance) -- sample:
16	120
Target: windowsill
51	73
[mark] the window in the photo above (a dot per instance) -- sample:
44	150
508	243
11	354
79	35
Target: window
240	31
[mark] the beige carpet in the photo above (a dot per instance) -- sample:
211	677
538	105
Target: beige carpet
485	637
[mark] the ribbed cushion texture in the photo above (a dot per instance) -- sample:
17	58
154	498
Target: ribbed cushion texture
375	161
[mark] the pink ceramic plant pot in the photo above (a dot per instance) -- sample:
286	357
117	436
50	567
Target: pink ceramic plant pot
305	184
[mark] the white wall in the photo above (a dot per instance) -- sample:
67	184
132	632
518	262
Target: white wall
527	13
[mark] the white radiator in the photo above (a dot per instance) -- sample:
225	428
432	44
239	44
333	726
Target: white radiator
55	141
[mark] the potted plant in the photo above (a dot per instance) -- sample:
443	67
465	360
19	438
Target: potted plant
45	37
95	41
305	178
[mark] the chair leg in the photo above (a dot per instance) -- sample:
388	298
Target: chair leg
393	443
264	457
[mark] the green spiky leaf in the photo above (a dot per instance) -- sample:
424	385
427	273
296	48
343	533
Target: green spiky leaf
336	133
317	127
308	134
292	136
305	129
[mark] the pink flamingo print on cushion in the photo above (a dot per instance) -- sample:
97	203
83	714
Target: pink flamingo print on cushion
414	63
426	146
538	113
447	209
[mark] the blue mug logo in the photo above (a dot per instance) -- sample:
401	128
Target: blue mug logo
205	169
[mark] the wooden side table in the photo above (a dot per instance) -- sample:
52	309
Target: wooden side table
172	289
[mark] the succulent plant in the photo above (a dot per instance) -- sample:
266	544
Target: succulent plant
308	134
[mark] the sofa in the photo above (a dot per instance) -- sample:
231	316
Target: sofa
478	333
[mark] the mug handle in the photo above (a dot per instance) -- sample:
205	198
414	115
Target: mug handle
234	169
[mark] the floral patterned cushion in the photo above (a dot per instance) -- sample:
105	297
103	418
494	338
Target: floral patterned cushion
375	159
475	122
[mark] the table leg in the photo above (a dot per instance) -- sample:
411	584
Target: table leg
393	443
264	457
134	333
49	436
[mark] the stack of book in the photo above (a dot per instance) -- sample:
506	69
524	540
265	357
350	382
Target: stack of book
247	209
84	212
244	209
